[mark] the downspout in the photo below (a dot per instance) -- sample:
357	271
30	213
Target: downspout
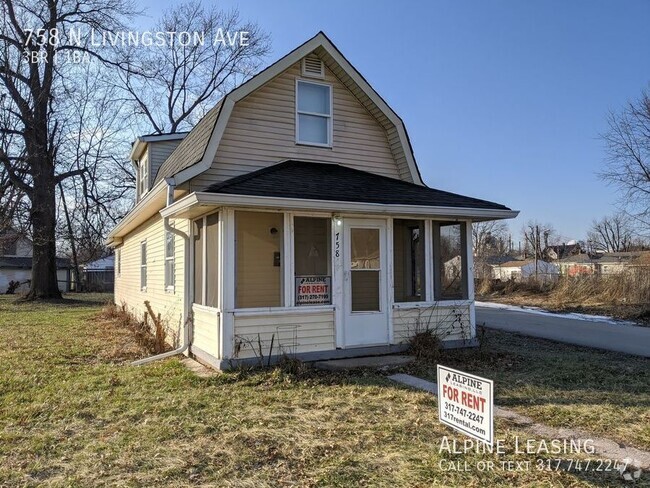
171	185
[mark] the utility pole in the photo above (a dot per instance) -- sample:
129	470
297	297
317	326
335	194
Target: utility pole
536	251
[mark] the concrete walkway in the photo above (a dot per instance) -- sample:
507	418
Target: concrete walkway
605	448
376	362
624	338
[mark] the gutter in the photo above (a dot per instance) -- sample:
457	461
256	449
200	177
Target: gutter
171	185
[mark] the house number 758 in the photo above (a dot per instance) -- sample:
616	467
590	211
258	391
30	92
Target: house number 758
337	245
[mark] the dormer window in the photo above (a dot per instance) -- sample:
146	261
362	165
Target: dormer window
313	113
143	176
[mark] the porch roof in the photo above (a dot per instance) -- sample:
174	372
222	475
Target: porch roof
333	182
324	187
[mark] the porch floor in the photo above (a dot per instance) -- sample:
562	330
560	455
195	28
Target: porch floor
375	362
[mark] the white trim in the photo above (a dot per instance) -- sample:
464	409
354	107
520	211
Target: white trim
330	117
287	260
138	214
390	278
469	262
229	277
136	147
211	149
205	308
252	312
286	204
435	303
204	267
428	261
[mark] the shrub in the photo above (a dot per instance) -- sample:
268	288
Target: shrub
12	287
425	346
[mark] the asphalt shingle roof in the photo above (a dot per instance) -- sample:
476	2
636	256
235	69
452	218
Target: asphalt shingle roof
319	181
191	149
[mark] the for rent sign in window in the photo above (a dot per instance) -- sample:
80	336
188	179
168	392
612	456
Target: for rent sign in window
313	290
466	403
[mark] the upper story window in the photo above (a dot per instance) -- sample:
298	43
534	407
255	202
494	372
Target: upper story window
143	176
313	113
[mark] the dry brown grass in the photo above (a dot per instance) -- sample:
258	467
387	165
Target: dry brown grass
113	316
624	295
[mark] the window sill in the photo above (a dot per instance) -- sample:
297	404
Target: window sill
314	144
170	290
305	309
436	303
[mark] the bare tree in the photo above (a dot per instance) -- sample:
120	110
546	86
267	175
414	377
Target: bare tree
537	237
489	238
628	156
612	233
34	40
174	86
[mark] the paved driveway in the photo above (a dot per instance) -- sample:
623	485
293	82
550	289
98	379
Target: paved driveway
629	339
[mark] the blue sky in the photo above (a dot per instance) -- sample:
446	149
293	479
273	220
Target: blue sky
503	100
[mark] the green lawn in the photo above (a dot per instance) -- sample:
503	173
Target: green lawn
73	412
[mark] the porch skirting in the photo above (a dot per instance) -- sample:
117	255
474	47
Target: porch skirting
226	364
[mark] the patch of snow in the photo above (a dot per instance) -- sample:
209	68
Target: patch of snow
540	311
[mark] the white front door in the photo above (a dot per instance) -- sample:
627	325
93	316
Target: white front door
365	320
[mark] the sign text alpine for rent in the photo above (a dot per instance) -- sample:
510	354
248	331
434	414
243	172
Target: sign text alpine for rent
465	403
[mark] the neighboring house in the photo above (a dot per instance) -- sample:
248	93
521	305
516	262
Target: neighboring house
484	266
562	251
99	275
604	263
16	264
525	269
293	215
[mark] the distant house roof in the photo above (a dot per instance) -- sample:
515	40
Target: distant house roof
323	181
606	257
515	264
26	262
101	264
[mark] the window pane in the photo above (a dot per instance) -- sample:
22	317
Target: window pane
169	273
259	268
198	261
312	128
169	244
314	98
365	291
364	248
312	260
408	260
450	262
212	260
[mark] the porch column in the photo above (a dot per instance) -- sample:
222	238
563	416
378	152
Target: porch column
469	271
227	285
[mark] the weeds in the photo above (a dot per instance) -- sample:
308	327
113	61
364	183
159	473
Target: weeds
152	343
425	346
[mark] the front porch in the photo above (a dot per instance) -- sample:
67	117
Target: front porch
355	274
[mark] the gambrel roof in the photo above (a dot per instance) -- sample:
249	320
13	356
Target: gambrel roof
196	152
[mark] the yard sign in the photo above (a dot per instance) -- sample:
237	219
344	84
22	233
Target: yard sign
466	403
